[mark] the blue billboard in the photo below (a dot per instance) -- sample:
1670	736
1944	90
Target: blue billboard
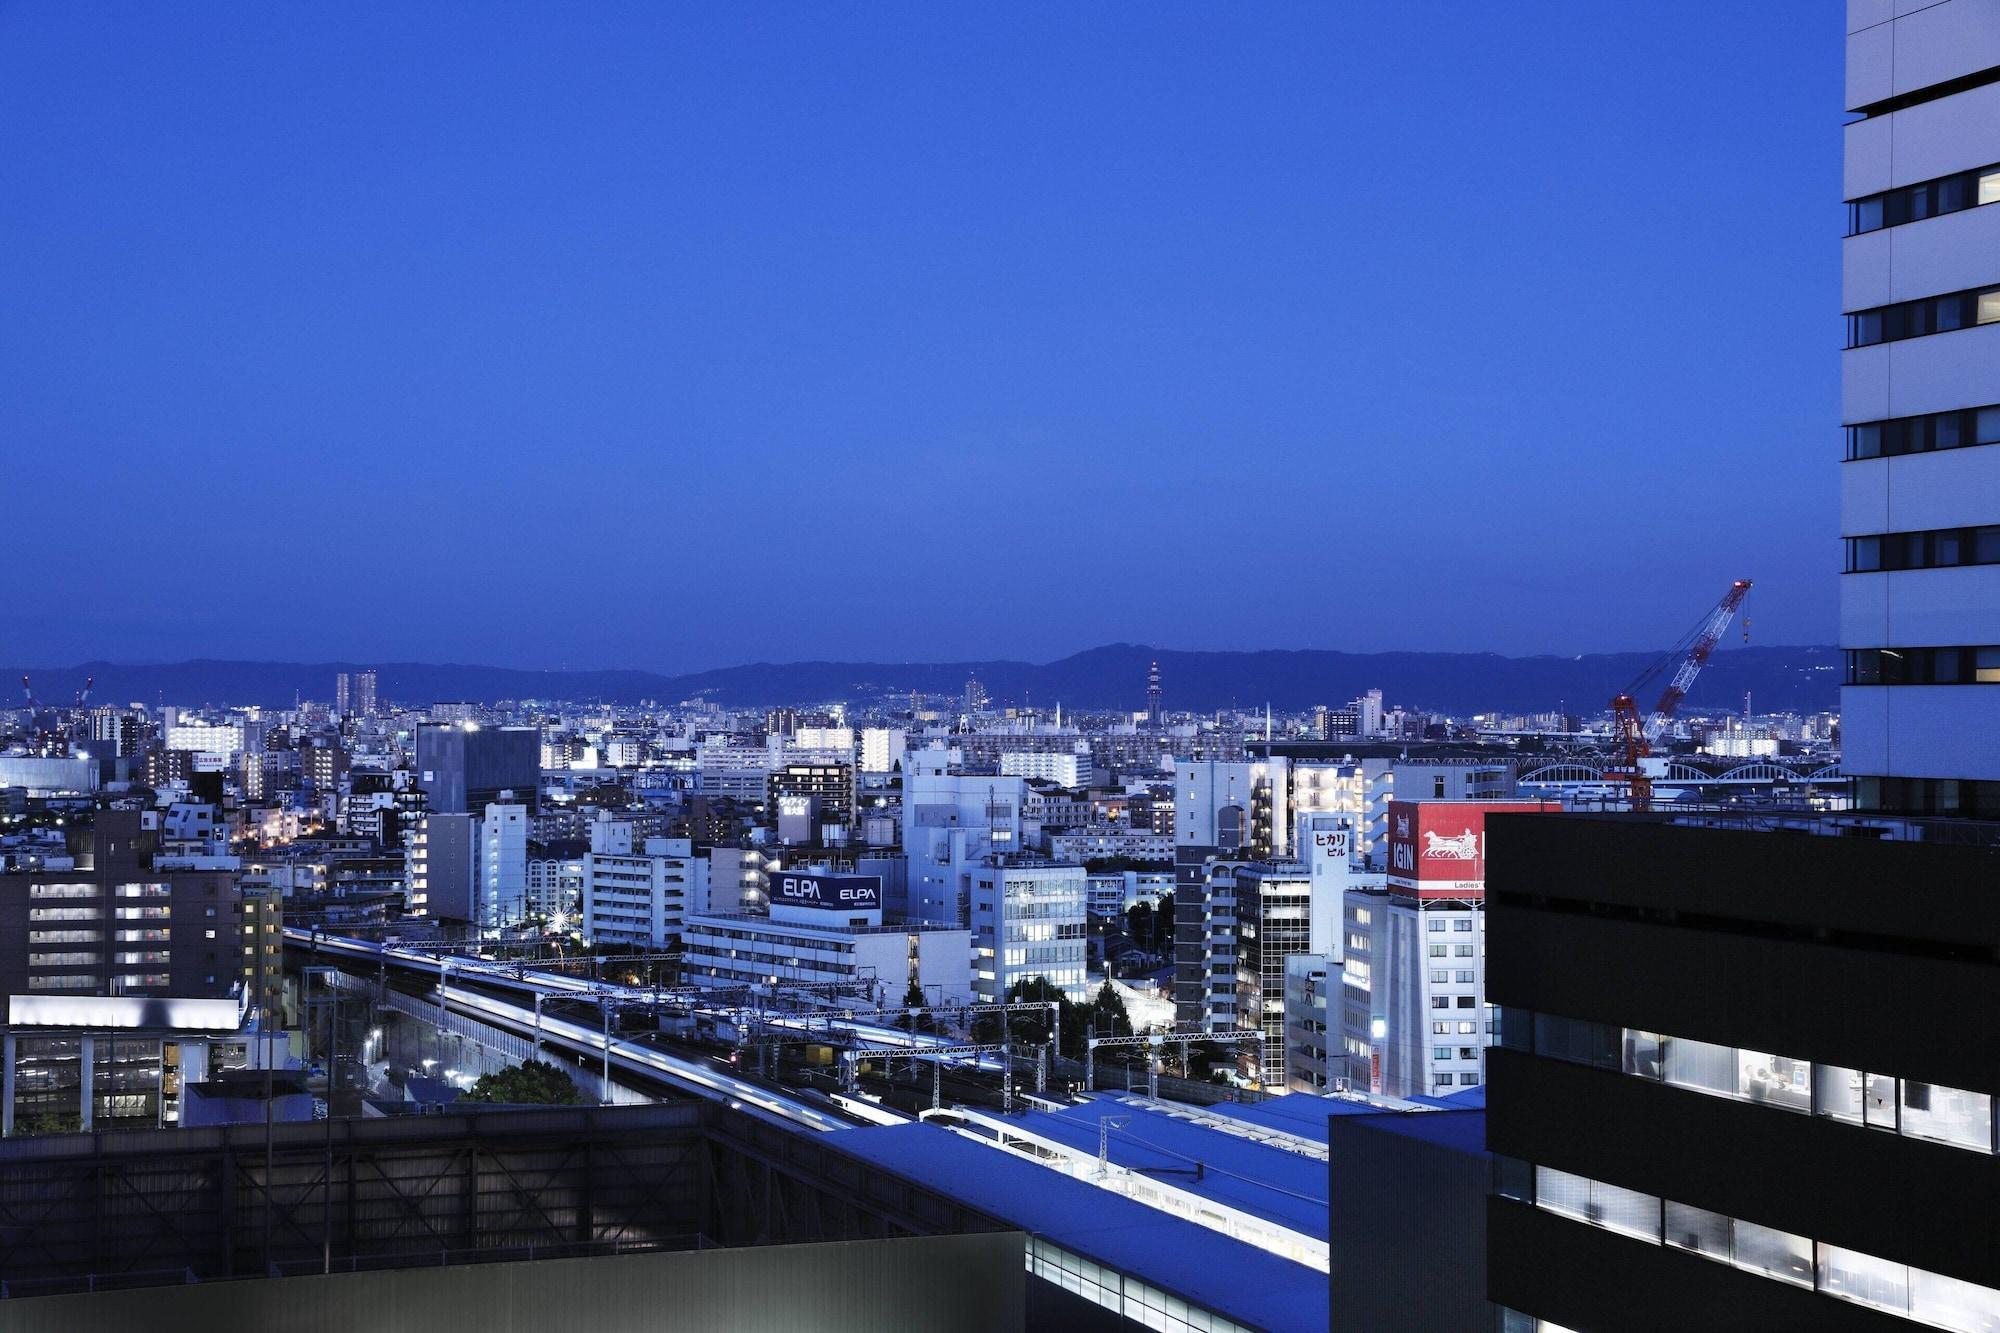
838	893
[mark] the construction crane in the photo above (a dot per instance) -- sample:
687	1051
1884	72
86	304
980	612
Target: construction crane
1636	732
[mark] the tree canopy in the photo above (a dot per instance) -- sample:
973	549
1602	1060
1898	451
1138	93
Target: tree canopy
532	1083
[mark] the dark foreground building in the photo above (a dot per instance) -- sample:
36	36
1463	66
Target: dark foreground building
1747	1075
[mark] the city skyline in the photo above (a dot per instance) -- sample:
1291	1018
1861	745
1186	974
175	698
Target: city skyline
958	297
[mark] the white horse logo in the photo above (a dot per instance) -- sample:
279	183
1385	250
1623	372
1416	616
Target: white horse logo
1464	847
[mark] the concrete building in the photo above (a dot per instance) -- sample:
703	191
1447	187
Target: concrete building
640	898
1920	398
462	767
1028	919
1065	770
881	749
1225	814
109	923
503	866
827	929
950	821
440	866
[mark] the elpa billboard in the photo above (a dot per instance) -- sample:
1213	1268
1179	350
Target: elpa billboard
836	893
1437	849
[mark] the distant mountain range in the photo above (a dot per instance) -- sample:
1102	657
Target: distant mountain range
1111	677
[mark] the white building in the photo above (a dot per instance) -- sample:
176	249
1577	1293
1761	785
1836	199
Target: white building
1065	770
640	898
881	749
1920	398
814	938
217	738
950	821
1029	919
737	771
503	867
1312	1023
555	887
1103	841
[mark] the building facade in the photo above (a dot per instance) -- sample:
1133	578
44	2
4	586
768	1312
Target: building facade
1920	399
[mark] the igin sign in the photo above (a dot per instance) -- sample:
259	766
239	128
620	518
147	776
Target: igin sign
1437	849
835	893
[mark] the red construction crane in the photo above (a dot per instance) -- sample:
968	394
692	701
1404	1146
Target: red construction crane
1635	732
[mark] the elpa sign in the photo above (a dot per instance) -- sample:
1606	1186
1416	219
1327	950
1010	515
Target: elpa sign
840	893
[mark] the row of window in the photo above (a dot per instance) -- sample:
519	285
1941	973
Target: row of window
1897	436
1923	666
1923	316
1954	1116
1926	199
1974	798
1939	548
1847	1275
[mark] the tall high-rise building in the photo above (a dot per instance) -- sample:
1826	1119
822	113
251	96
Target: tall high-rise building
1744	1080
1920	396
503	865
364	693
463	767
343	693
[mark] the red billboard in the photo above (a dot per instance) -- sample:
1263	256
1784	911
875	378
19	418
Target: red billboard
1437	849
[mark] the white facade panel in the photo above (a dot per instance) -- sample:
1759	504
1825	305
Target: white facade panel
1932	730
1942	254
1864	497
1914	607
1943	371
1948	489
1871	57
1866	160
1864	728
1864	383
1865	270
1924	45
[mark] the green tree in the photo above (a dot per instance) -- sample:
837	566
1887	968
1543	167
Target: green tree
532	1083
921	1019
1107	1013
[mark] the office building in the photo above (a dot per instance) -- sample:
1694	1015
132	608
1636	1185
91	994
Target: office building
364	693
1768	1101
812	798
827	930
1414	1006
463	767
1029	920
1225	813
1920	397
950	821
343	693
109	923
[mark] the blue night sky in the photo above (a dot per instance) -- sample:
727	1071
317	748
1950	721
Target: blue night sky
679	335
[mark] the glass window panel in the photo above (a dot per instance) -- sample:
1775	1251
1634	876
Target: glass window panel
1950	1303
1773	1253
1697	1229
1561	1192
1986	426
1986	666
1624	1210
1864	441
1878	1096
1698	1064
1986	545
1868	212
1949	1115
1837	1093
1642	1053
1864	1279
1989	188
1989	306
1513	1179
1774	1080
